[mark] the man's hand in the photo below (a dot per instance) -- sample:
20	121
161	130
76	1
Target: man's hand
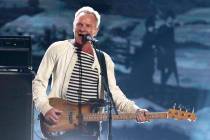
53	115
141	115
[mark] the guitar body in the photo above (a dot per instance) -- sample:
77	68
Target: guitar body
84	119
70	120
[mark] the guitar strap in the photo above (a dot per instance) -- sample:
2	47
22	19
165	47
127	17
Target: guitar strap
104	77
79	91
102	62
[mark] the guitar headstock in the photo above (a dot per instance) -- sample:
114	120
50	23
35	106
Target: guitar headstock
178	114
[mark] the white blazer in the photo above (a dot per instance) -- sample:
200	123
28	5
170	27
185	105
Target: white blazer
59	62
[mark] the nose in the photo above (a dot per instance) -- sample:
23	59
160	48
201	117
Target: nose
82	28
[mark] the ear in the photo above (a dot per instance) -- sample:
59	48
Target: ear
95	31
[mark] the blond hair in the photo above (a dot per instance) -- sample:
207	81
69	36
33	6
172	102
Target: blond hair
89	10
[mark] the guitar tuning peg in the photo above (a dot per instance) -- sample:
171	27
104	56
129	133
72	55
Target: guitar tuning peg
193	110
180	107
186	109
174	106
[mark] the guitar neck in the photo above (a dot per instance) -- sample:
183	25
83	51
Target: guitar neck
94	117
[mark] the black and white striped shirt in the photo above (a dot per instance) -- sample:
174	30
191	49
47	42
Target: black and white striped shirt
83	83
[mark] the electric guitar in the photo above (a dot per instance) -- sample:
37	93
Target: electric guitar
71	119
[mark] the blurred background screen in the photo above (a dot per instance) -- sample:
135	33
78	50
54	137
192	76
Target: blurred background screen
161	50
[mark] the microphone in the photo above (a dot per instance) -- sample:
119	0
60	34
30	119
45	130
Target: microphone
89	38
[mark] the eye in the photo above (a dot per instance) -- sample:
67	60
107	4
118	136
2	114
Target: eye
88	25
79	24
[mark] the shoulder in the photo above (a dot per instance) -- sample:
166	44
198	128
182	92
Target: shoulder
58	48
108	58
60	45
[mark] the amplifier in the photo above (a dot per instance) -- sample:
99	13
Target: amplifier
15	52
16	119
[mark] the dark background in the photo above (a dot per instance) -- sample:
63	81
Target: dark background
121	35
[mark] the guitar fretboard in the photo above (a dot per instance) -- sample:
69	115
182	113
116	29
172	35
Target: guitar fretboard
93	117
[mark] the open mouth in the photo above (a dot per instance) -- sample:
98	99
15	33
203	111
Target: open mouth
82	35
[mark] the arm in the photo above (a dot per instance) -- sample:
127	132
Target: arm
121	101
40	83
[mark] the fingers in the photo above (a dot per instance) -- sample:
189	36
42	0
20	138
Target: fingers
53	119
53	115
141	115
57	112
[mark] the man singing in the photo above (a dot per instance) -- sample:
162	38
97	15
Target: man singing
76	76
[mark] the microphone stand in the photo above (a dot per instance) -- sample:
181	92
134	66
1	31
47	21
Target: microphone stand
111	102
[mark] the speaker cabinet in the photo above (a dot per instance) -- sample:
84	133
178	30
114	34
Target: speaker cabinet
15	52
16	106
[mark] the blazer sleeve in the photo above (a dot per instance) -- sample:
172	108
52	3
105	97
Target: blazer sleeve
40	82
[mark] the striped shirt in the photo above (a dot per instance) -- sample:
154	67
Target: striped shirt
83	83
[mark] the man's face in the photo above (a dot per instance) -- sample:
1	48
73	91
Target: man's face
84	24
